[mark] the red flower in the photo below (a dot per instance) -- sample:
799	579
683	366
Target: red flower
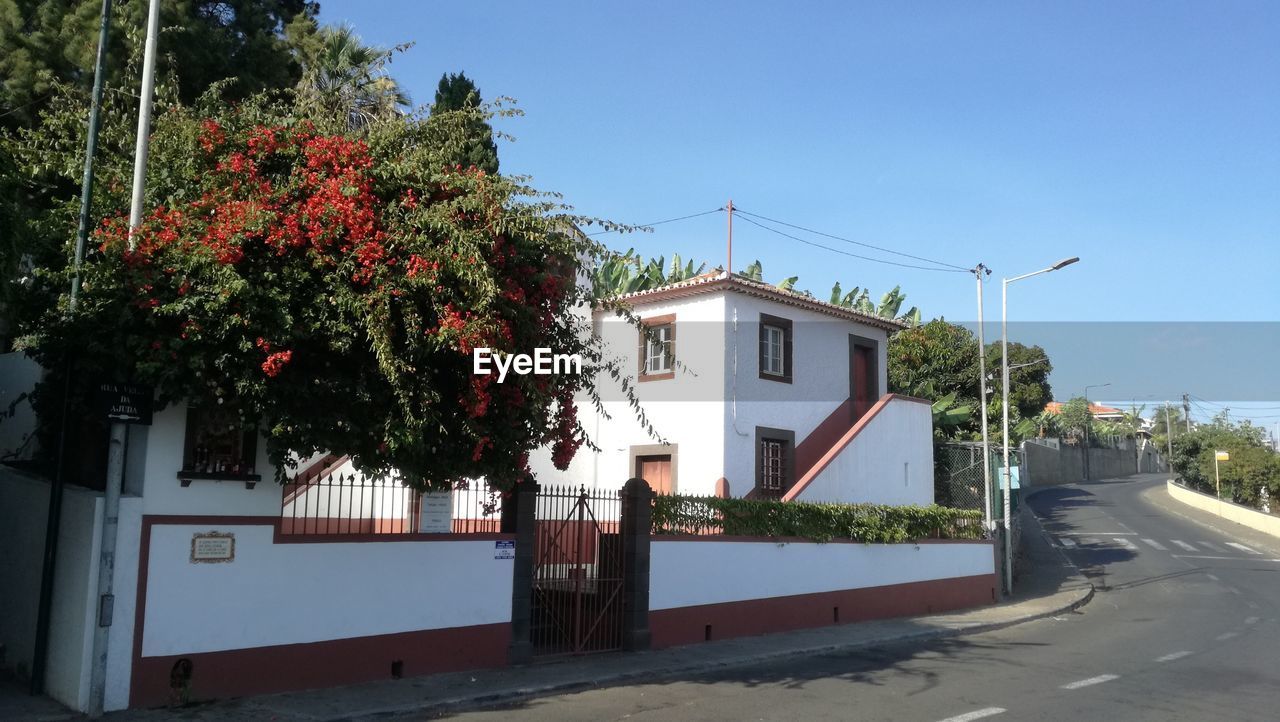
275	363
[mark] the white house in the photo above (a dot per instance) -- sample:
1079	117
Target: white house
754	391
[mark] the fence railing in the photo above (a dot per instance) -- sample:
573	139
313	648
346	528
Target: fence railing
354	503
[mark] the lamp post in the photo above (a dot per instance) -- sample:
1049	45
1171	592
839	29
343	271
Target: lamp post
1088	424
978	272
1004	362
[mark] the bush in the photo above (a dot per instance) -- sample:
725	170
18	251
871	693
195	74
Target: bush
870	523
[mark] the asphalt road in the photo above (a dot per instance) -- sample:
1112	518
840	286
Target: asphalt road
1185	626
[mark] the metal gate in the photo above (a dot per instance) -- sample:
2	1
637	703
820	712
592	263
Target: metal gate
577	572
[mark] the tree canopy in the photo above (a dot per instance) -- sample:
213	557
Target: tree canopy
326	284
457	99
47	42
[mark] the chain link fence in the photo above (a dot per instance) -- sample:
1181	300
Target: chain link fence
958	480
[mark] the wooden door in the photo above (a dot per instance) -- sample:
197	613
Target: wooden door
657	471
862	380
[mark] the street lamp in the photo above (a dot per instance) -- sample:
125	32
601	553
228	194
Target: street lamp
1088	423
1004	362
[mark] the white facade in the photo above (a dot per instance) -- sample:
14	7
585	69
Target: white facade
716	405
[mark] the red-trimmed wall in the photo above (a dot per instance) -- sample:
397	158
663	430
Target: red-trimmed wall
263	670
688	625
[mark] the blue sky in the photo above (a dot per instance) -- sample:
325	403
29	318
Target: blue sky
1143	137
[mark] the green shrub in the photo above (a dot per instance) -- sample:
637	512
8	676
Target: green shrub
870	523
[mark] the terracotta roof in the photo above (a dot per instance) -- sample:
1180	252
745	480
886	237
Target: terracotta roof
1055	407
717	281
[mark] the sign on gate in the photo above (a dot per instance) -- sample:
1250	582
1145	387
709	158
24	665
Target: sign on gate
437	512
504	550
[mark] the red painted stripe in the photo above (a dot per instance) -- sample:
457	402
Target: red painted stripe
687	625
281	668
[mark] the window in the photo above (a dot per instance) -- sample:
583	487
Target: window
217	443
775	461
775	348
657	352
658	348
772	455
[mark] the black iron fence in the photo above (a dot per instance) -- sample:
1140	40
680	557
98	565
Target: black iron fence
354	503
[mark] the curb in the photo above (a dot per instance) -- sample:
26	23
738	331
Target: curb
494	699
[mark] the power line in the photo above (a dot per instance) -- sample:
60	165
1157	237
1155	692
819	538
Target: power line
856	243
855	255
658	223
1224	406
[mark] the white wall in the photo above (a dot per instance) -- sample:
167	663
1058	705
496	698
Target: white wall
164	494
820	379
686	410
689	573
346	589
18	375
890	461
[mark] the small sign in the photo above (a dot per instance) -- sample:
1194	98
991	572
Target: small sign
213	547
504	550
124	403
1222	456
437	513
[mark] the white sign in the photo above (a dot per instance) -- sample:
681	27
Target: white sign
437	513
504	550
212	547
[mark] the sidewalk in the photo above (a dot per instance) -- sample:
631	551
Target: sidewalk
1050	586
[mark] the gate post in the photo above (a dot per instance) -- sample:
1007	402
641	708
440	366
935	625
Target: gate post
524	520
637	513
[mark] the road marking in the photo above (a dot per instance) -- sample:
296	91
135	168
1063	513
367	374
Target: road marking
1212	547
1251	620
1233	590
1212	577
1226	635
1234	559
1175	655
1243	548
1127	544
1184	545
1095	533
976	714
1067	543
1091	681
1155	544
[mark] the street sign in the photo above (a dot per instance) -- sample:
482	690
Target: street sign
124	403
1222	456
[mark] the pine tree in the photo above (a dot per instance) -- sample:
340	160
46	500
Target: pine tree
458	101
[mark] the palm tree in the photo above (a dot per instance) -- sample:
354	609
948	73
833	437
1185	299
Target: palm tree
348	79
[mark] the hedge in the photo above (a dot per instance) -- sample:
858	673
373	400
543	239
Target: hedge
871	523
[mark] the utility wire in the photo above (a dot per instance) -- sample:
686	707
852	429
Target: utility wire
658	223
856	243
1241	408
957	269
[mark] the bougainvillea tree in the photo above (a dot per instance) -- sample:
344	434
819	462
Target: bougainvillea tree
331	287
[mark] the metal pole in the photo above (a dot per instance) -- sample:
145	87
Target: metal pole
45	605
119	432
729	261
982	392
1168	431
1004	362
1088	422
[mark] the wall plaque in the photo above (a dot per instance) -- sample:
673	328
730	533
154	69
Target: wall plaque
213	547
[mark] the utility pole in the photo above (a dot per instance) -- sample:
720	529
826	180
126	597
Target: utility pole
119	430
1168	431
978	272
44	607
1186	409
729	262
